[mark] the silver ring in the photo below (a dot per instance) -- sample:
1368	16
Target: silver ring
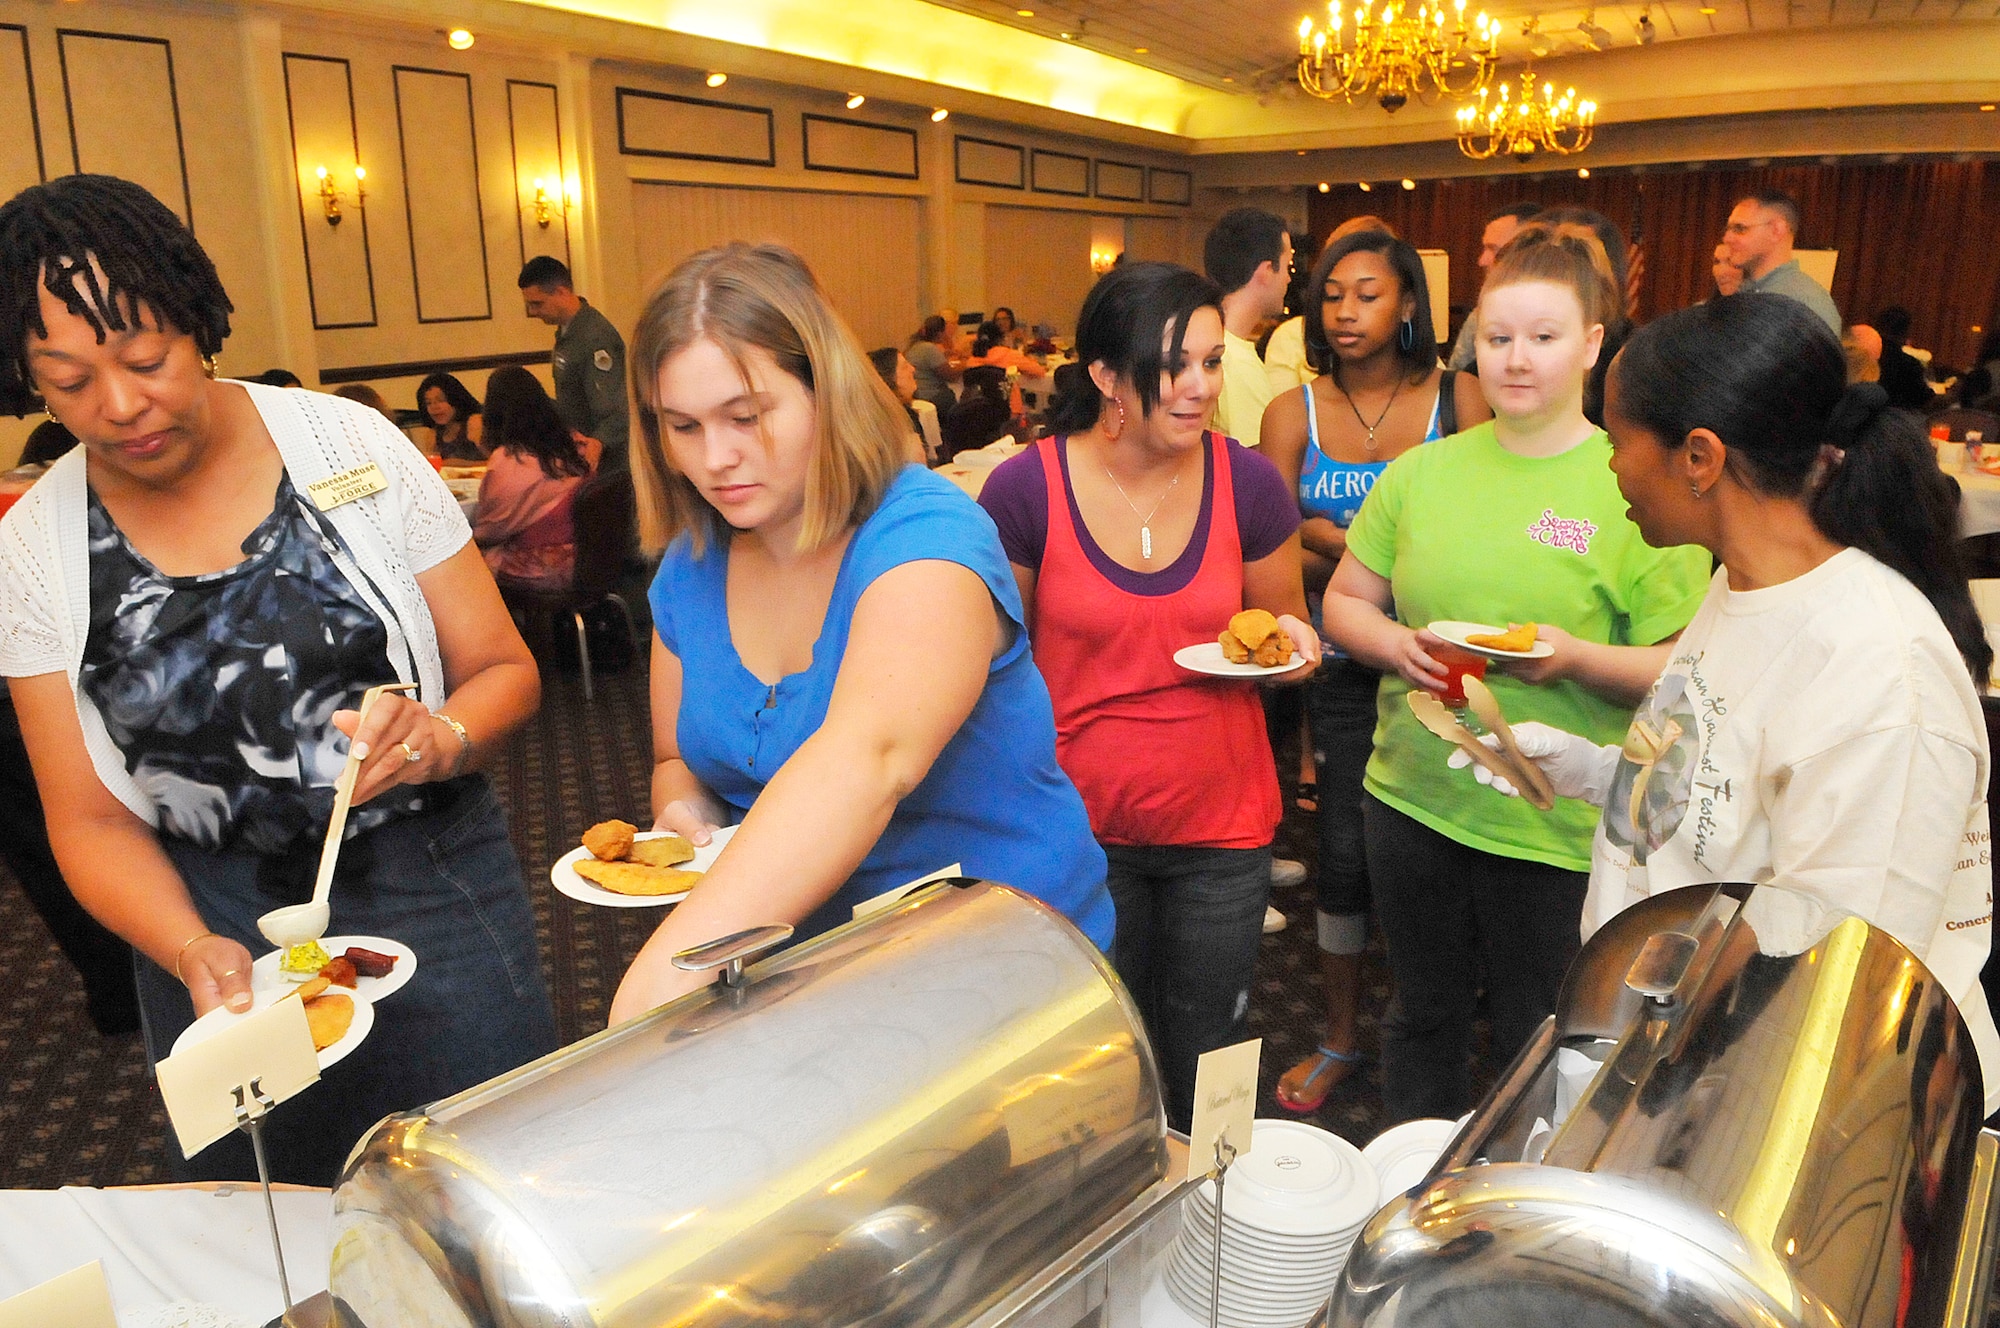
410	754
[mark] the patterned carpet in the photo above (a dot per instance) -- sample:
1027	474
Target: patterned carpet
80	1109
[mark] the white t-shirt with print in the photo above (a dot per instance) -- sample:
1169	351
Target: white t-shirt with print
1821	735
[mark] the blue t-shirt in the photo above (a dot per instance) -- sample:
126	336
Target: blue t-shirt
994	800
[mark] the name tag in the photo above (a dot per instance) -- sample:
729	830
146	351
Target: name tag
335	490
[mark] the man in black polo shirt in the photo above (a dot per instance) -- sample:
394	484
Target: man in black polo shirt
589	359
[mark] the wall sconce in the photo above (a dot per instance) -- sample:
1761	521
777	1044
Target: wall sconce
1103	260
544	210
329	193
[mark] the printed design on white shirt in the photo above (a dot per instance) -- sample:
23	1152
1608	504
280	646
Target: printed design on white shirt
1563	532
1656	771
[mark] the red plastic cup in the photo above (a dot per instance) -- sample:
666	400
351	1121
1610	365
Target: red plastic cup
1460	664
1941	433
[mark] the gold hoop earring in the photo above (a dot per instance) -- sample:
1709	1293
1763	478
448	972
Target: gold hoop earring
1111	435
208	366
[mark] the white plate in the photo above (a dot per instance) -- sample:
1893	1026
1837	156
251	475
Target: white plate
264	973
206	1027
1404	1154
1207	658
1299	1180
1456	632
563	874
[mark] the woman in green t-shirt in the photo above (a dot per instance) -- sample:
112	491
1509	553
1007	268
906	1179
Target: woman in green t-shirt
1518	520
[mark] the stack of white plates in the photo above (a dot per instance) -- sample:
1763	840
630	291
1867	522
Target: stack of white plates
1293	1206
1403	1154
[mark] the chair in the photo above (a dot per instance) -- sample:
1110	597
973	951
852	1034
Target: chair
604	513
927	427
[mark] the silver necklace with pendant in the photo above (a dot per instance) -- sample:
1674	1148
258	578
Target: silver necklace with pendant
1146	521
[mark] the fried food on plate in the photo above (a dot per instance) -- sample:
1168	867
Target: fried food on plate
636	878
1519	638
666	851
1252	627
311	987
340	971
1254	637
609	841
329	1018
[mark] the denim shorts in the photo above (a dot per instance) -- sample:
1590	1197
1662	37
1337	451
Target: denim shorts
443	881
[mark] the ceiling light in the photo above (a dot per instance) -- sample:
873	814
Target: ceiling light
1301	152
1229	78
1647	32
1325	187
1583	172
1409	183
1987	107
939	114
458	39
1594	36
1142	50
1065	36
717	79
1367	188
854	100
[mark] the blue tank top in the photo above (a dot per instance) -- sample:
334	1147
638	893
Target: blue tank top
1335	489
994	800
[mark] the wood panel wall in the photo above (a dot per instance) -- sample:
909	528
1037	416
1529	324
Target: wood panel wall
1038	263
1915	233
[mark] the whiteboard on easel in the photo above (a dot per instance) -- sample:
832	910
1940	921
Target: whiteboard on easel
1437	276
1818	264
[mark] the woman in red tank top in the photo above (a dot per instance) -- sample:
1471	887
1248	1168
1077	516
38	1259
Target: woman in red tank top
1134	532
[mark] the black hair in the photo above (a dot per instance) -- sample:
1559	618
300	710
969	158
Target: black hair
1012	321
1894	325
1420	356
1242	240
49	440
1521	211
521	418
1128	316
884	361
1764	374
986	380
932	330
463	404
988	336
50	234
548	273
1778	201
279	378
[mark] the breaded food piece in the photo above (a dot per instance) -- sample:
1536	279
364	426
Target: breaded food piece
329	1018
340	971
666	851
609	841
1519	638
1233	650
1253	627
1276	650
312	986
636	878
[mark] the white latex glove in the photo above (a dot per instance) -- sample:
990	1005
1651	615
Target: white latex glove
1459	759
1577	767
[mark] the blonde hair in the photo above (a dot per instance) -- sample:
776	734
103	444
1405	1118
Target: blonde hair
1566	253
742	296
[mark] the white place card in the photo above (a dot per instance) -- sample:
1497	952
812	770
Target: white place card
1225	1103
80	1298
204	1084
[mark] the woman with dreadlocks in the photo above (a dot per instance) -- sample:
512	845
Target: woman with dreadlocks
191	605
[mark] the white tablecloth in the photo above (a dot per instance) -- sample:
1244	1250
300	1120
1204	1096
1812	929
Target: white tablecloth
167	1248
1978	504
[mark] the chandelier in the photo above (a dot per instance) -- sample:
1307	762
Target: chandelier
1398	54
1524	125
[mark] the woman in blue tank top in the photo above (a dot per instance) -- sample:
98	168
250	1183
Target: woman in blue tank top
1380	392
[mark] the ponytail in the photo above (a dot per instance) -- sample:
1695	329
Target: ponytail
1076	403
1764	374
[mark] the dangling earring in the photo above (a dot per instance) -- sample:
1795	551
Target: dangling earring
1406	336
208	366
1111	435
1695	489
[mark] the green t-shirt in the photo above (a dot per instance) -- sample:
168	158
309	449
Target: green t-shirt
1464	529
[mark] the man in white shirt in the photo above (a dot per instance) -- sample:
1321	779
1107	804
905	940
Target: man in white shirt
1249	254
1501	227
1759	237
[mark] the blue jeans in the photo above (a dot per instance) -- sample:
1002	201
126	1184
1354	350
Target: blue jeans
1189	920
443	881
1341	704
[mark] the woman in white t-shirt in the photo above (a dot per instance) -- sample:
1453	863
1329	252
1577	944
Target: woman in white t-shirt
1817	727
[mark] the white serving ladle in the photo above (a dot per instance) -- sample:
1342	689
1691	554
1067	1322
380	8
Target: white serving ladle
296	924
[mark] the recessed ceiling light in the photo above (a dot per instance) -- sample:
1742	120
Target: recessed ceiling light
1025	13
458	39
1367	187
1065	36
717	79
1409	183
1583	172
1987	107
1325	187
1142	50
1302	152
854	101
1229	78
939	114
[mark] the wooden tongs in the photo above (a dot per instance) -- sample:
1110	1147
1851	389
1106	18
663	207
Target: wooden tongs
1508	763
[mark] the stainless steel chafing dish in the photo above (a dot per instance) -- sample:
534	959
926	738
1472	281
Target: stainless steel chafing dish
946	1114
1781	1129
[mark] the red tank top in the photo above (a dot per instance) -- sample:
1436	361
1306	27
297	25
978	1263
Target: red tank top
1161	755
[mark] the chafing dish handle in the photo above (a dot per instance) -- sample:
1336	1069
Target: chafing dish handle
1973	1274
729	953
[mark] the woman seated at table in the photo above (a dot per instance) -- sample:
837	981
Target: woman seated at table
990	346
186	636
1135	531
526	530
1818	726
937	368
454	416
842	659
1011	332
1515	520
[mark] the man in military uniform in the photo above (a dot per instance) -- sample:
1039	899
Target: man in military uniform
589	359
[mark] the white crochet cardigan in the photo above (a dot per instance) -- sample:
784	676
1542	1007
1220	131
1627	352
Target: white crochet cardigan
390	537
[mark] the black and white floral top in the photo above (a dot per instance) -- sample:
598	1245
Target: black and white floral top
219	689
